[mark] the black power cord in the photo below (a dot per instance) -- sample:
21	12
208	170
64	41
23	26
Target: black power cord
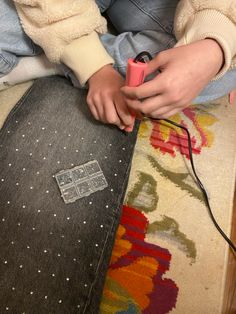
141	58
199	183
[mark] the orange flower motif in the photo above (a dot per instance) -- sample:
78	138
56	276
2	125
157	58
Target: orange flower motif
134	281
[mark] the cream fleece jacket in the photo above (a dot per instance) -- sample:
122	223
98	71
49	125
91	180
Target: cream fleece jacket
68	30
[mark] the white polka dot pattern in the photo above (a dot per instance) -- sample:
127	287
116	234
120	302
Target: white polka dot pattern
51	252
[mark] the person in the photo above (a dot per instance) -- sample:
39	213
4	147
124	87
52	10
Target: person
193	44
47	266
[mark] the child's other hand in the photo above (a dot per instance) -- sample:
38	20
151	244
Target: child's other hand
105	99
185	72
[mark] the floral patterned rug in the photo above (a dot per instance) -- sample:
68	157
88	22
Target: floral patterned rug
168	256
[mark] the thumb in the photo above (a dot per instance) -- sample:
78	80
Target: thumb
154	65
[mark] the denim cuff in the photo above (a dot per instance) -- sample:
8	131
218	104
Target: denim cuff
7	63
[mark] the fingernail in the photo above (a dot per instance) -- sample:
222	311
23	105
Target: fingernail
129	129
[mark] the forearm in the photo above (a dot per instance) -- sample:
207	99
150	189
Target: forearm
197	20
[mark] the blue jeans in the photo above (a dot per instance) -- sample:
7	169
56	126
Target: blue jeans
14	43
140	24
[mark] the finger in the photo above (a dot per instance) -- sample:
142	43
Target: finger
137	114
154	64
124	113
135	106
165	113
129	129
232	97
148	89
92	108
149	105
94	112
175	110
111	115
170	113
154	103
98	104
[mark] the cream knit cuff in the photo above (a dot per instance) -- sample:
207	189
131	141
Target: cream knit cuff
85	56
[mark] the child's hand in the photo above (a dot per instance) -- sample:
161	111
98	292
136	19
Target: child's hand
105	99
185	71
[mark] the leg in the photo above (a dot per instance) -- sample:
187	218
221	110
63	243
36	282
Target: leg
139	15
217	89
13	42
142	25
54	256
19	56
104	4
29	68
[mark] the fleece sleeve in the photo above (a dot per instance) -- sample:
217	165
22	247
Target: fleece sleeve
68	32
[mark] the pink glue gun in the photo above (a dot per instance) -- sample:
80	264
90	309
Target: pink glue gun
135	74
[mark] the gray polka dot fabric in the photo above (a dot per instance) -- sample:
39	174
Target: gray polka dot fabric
54	256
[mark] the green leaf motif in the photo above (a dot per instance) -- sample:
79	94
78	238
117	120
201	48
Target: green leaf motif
177	178
168	228
144	194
